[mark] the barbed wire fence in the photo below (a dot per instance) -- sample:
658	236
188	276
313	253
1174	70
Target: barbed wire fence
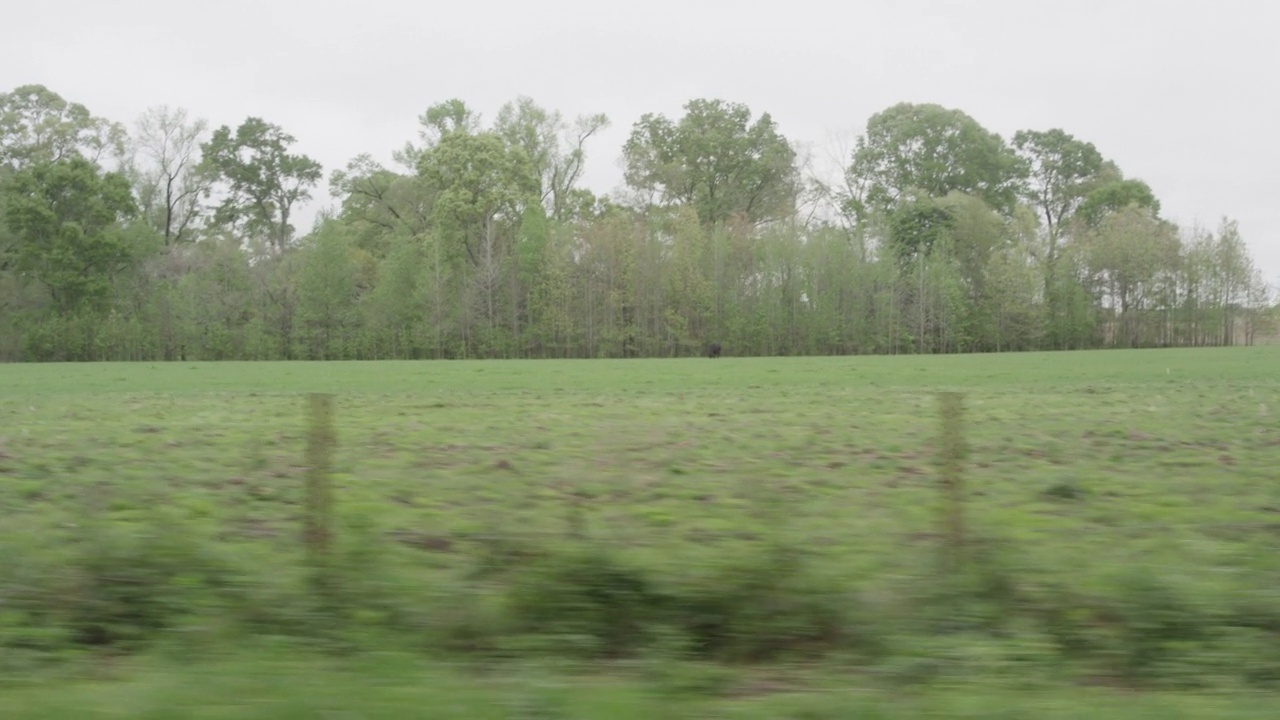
956	529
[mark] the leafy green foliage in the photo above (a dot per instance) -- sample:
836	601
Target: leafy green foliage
481	242
38	126
263	180
1059	169
479	179
716	160
380	205
66	220
448	118
328	286
912	150
916	226
558	163
1115	196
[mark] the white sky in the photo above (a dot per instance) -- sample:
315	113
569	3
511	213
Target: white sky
1178	93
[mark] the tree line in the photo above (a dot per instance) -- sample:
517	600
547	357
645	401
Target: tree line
171	240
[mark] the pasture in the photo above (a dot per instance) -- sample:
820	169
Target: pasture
720	518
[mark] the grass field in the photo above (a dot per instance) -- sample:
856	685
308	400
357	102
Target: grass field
1125	507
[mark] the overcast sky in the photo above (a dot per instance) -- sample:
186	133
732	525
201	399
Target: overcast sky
1180	94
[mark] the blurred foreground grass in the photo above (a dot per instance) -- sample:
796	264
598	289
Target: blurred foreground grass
392	687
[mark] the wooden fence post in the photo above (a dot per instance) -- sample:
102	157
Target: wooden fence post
318	534
951	454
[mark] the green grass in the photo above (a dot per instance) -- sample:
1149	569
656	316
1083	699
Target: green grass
273	687
1129	483
674	454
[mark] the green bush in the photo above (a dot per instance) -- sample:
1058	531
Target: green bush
114	587
1159	624
766	607
588	599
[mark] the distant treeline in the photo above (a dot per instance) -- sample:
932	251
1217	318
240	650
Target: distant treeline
173	241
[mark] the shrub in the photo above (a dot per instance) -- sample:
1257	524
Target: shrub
587	598
766	607
126	587
1159	623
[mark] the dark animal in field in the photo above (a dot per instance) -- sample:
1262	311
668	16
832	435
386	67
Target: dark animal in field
714	350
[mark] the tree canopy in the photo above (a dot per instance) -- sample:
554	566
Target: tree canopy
163	239
716	160
912	150
66	218
262	180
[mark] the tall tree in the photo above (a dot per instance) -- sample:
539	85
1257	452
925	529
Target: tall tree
1060	167
1061	172
1233	273
327	293
928	150
478	179
66	217
394	309
381	204
1127	256
481	187
556	150
716	160
166	171
38	126
263	180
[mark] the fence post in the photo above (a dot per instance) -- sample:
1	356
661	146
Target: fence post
951	453
318	533
577	517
